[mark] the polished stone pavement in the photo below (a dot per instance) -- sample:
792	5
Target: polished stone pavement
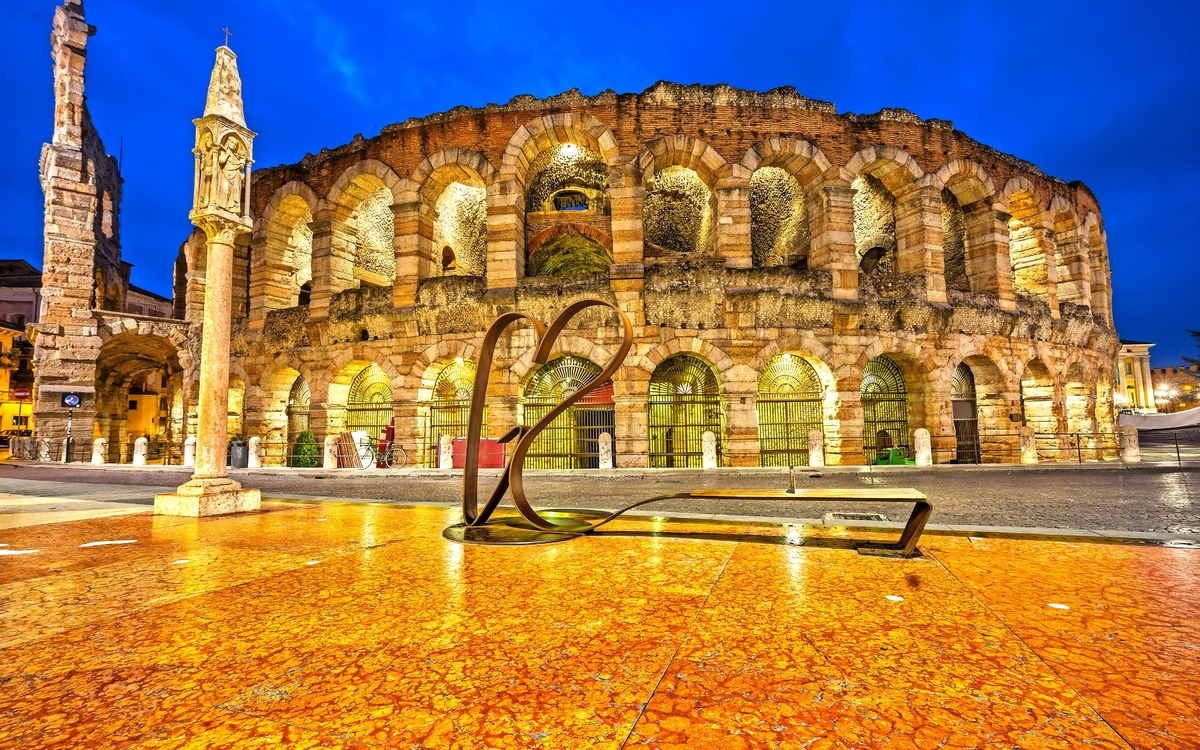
358	625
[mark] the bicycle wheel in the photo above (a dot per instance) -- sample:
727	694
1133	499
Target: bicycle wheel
396	457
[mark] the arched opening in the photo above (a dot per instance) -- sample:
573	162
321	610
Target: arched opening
304	295
449	407
571	177
568	254
460	229
374	257
685	402
791	403
779	232
1037	406
954	242
1025	252
965	411
874	226
572	441
884	398
369	403
677	215
298	402
1071	258
135	374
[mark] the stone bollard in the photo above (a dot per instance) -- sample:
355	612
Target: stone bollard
923	447
140	446
606	451
189	452
254	458
99	449
330	459
816	448
446	452
1131	451
43	449
710	449
1028	446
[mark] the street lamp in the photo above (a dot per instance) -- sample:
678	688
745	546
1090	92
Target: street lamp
1166	394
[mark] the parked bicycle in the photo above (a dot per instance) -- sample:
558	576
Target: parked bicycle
393	457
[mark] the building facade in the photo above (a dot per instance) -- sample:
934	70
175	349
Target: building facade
787	269
1136	389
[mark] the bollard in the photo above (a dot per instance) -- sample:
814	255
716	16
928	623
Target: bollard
816	448
710	449
1131	452
1028	446
330	459
99	449
446	452
923	447
66	453
189	452
43	449
139	451
254	460
606	451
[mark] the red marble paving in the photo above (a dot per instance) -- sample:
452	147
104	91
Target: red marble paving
661	634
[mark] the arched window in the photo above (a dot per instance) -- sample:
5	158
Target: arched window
369	405
297	412
450	407
790	404
572	439
779	233
685	402
966	414
885	407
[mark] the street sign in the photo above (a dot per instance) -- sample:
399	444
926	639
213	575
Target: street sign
21	394
71	400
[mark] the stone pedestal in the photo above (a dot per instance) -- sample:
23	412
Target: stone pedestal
709	446
189	452
446	452
207	497
606	451
816	448
329	457
923	447
99	450
1029	453
1131	452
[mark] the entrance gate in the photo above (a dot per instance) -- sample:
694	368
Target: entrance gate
572	441
685	402
297	414
885	407
450	407
791	403
966	415
369	405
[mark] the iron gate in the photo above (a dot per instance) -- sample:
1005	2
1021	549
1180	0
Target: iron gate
685	402
885	407
572	441
450	407
966	415
790	404
369	405
297	414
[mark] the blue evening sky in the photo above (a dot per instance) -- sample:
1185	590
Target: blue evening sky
1104	92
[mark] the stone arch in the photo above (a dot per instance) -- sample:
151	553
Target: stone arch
683	151
881	176
704	350
559	230
429	363
1092	232
334	382
1080	408
1041	406
686	399
1030	249
446	207
890	165
801	159
357	182
275	386
579	346
995	398
551	131
967	179
128	350
285	239
1071	253
968	224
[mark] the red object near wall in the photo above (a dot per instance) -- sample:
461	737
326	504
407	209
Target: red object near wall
389	435
491	453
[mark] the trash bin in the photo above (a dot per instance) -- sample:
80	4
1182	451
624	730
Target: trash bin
239	454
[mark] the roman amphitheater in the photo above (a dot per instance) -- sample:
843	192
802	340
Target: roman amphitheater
787	269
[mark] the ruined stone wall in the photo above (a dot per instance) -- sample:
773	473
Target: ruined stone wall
726	286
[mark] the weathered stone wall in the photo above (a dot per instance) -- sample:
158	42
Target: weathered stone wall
766	180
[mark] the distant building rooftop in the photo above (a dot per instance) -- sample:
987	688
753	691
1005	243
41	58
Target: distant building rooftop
18	273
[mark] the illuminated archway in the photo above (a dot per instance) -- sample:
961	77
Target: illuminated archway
572	441
790	404
966	415
450	407
369	404
685	402
884	398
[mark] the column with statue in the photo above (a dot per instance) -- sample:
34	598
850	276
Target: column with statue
221	209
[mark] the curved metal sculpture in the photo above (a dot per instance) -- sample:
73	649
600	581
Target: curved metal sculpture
533	528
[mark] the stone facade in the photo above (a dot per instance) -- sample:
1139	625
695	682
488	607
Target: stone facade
853	267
